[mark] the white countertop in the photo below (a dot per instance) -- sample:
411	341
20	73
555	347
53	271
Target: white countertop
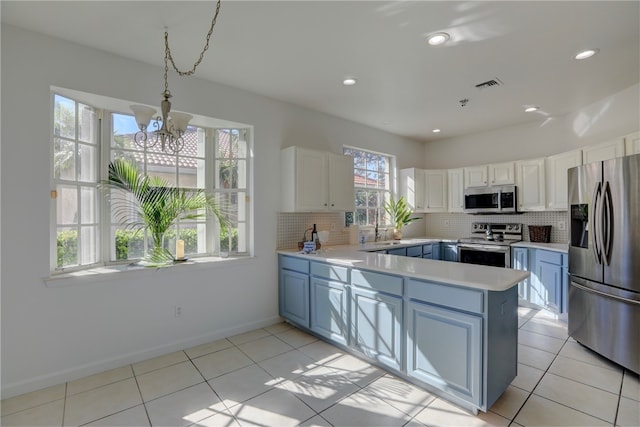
454	273
557	247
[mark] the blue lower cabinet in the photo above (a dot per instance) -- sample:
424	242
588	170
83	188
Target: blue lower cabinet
376	326
520	261
397	251
329	303
294	297
444	349
548	285
449	252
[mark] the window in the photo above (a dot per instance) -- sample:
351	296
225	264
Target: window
215	160
373	185
75	176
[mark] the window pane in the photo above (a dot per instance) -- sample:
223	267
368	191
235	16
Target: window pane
359	178
227	174
89	240
124	130
361	198
67	205
64	117
88	200
86	124
227	144
124	207
64	159
192	173
87	161
67	247
129	244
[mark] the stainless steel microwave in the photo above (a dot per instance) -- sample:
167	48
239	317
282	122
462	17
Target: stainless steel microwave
502	199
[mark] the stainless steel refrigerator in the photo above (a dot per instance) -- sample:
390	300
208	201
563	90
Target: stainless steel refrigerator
604	258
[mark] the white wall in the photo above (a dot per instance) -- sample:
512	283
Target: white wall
609	118
55	334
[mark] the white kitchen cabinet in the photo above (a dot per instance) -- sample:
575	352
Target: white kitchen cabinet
530	179
501	174
475	176
412	188
341	190
632	143
494	174
556	168
316	181
605	151
435	190
456	190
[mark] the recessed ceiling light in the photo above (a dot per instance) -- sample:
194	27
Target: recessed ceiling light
586	54
531	109
436	131
436	39
350	81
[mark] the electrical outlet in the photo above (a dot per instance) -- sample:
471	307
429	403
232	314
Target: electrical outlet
562	225
177	311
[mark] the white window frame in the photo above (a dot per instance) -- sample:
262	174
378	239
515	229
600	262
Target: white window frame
384	194
105	245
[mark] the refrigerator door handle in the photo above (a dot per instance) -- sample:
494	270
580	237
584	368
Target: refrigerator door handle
596	218
604	294
607	211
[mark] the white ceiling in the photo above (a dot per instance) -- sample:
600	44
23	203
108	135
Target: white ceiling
299	52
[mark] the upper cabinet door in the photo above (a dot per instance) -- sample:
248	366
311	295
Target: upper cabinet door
530	179
501	174
435	190
605	151
311	180
556	168
475	176
341	190
316	181
632	144
412	188
456	190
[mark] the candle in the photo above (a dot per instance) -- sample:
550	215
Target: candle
180	249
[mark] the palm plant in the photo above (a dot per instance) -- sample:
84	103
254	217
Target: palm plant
155	206
400	214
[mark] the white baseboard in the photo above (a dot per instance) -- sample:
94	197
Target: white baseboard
95	367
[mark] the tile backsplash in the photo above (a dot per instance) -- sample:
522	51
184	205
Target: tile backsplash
291	226
459	224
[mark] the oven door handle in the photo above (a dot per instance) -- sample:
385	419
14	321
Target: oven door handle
484	248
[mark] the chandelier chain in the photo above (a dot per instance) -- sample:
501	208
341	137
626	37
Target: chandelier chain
169	58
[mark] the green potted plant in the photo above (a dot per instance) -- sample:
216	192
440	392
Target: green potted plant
154	207
400	214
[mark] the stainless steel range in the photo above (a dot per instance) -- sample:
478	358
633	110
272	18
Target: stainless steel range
489	244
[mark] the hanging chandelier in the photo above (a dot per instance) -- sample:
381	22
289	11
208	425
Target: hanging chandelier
170	127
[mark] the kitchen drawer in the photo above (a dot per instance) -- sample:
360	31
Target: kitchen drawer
551	257
415	251
331	272
295	264
470	300
381	282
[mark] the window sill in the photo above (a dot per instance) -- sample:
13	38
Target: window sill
115	272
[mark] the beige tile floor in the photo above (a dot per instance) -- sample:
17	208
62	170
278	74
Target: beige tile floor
280	376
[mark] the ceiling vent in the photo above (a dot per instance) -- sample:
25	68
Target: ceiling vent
488	84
